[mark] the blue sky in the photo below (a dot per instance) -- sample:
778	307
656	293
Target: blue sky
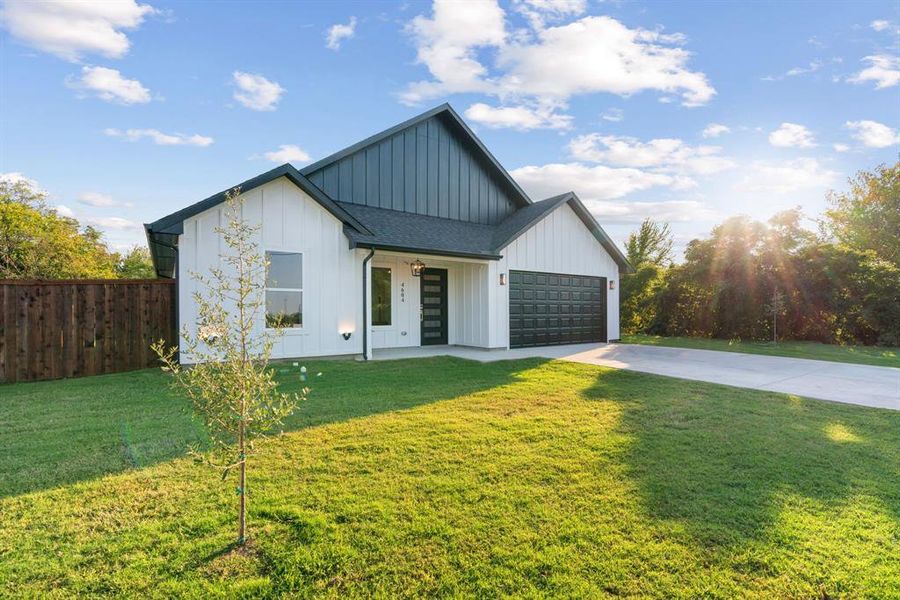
684	112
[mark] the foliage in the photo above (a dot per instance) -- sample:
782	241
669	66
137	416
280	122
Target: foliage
231	387
36	242
867	217
649	250
135	264
651	244
519	478
748	276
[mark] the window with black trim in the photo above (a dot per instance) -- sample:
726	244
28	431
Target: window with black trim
381	296
284	290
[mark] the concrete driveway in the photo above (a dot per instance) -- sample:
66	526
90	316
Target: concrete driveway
864	385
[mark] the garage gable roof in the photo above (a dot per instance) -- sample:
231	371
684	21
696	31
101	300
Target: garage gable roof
526	218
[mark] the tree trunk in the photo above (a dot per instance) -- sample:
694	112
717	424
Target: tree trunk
242	489
242	519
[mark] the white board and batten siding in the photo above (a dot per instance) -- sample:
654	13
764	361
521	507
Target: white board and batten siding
558	243
467	301
289	221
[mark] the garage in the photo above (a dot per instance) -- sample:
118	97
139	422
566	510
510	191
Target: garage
547	309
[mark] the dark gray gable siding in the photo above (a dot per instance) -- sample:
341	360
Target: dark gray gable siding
427	168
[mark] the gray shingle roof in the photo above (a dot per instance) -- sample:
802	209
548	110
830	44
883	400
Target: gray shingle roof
408	232
396	230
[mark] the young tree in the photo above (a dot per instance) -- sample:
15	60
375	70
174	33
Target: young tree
649	250
230	386
652	244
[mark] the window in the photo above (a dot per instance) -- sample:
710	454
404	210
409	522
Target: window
381	296
284	289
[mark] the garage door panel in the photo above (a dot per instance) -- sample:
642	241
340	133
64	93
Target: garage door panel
555	308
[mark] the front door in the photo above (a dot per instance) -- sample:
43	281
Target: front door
434	307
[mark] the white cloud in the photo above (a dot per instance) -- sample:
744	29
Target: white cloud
99	200
785	177
517	117
880	25
613	115
287	153
840	147
663	154
812	67
64	211
792	135
255	91
546	66
596	182
600	54
873	134
668	211
339	32
714	130
883	69
114	223
108	84
539	12
160	138
447	44
71	29
14	177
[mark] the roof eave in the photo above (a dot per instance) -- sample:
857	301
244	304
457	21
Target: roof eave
357	243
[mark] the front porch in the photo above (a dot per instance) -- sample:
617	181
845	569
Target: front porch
454	302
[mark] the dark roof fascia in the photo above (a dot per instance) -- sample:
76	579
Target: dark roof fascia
174	223
552	204
588	219
357	243
438	110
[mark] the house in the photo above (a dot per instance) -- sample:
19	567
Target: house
424	228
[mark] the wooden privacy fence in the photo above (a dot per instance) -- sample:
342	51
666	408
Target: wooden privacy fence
72	328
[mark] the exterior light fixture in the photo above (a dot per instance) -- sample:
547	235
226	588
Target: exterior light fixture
417	267
346	335
502	278
612	284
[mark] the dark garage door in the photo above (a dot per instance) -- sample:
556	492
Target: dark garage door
550	308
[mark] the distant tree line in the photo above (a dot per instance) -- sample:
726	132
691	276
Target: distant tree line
839	283
36	242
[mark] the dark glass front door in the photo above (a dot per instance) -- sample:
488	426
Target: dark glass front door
434	306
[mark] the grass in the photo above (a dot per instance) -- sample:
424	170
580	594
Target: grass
861	355
443	477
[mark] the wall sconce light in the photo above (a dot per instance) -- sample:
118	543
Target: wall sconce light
502	278
612	284
346	335
417	267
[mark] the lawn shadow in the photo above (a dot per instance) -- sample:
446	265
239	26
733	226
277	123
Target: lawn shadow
716	462
63	432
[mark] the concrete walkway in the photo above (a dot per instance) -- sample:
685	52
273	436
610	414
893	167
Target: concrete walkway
864	385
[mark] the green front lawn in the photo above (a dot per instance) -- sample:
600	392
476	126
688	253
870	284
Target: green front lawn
444	477
863	355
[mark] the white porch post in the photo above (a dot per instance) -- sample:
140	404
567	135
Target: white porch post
367	309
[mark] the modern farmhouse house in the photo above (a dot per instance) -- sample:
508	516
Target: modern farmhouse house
414	236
